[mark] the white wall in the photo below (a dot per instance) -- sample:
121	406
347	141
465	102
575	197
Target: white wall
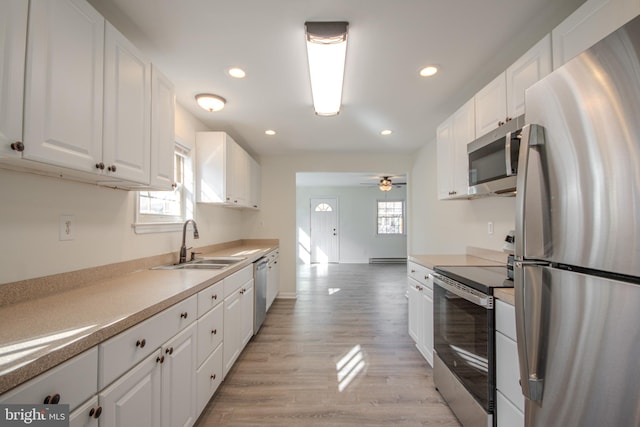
31	205
358	237
277	217
449	226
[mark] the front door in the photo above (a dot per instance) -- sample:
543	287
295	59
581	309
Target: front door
324	230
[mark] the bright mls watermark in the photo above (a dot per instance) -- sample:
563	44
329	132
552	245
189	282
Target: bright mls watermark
34	415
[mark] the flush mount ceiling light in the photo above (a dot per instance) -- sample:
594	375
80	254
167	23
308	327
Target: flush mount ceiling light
428	71
326	52
270	132
210	102
385	184
386	132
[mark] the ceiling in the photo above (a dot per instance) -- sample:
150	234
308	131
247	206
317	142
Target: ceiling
195	42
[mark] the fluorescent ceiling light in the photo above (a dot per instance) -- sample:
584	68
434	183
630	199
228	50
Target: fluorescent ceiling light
326	52
210	102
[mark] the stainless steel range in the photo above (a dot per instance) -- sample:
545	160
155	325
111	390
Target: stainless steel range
464	340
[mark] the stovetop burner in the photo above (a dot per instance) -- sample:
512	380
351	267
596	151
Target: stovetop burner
481	278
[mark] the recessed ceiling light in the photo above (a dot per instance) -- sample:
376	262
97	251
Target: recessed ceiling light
237	73
386	132
270	132
429	71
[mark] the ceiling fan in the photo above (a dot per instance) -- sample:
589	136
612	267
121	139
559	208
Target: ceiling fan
385	183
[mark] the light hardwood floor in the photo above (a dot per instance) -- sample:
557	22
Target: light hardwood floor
339	355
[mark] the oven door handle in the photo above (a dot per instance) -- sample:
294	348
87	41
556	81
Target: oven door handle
469	294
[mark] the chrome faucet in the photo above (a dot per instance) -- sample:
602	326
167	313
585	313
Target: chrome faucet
183	248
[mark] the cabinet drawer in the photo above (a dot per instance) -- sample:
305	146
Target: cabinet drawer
506	319
238	279
209	332
210	297
420	274
508	414
209	377
120	353
74	381
86	415
508	370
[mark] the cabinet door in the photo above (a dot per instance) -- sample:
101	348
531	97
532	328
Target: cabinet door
64	84
211	167
273	280
445	155
491	106
255	184
531	67
163	105
209	377
210	332
232	329
507	414
590	23
413	290
127	109
463	133
134	400
426	338
13	40
238	175
179	379
247	313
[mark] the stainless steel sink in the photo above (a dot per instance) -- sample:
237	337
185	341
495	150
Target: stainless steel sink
215	263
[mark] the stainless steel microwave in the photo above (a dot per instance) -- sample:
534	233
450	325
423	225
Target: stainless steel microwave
493	160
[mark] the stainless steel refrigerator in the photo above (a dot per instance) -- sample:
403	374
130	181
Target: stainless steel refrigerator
577	269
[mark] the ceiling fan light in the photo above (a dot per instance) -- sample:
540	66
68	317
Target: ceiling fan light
326	53
385	184
210	102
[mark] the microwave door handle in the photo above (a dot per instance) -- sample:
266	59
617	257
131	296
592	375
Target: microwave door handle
507	154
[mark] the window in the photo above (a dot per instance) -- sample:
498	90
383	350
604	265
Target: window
158	211
390	217
323	207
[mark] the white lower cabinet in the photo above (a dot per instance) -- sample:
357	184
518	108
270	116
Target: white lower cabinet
87	415
238	315
54	386
273	277
134	399
510	401
179	379
208	378
420	295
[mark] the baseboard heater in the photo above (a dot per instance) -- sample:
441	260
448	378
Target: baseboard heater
387	260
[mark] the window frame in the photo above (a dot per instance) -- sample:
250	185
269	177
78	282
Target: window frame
403	217
149	223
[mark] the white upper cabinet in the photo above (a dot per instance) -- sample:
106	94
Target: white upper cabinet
503	99
453	135
254	188
530	68
64	84
590	23
163	104
13	40
491	105
86	93
127	109
224	171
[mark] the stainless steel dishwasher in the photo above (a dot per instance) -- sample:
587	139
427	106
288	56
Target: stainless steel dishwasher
260	299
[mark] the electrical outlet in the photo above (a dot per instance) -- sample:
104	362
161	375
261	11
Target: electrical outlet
490	227
67	227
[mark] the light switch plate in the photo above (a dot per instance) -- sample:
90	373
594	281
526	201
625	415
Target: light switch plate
67	227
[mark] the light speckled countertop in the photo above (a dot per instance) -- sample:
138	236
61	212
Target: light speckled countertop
38	334
432	261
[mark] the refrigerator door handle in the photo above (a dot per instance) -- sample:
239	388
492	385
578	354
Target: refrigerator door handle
532	315
532	238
